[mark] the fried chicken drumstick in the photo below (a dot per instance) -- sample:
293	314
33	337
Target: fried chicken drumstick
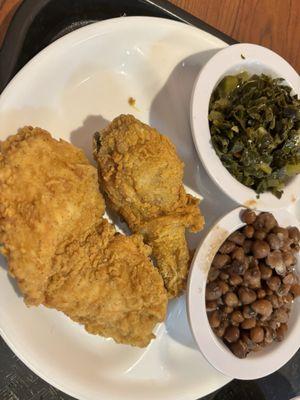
141	175
61	251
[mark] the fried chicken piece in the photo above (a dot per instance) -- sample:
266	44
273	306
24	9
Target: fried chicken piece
107	282
141	175
48	195
61	251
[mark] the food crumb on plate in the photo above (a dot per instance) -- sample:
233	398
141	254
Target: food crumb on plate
250	203
131	101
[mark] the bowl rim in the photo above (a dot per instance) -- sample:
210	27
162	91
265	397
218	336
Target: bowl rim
217	354
217	67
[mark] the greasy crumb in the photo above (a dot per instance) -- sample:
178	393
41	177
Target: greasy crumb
250	203
243	57
131	101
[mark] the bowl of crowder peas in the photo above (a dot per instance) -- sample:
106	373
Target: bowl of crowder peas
243	290
245	118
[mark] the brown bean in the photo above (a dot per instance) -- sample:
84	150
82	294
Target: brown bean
262	307
239	349
213	274
227	247
238	267
258	347
247	246
269	291
261	293
295	248
265	221
274	241
280	301
224	286
221	329
220	260
281	332
214	319
237	237
236	317
287	245
274	283
274	259
257	334
260	249
238	254
248	216
235	279
211	305
253	262
294	234
280	315
248	231
287	308
289	279
224	276
246	339
248	312
269	335
231	299
288	258
282	233
248	323
264	320
266	272
259	235
213	291
252	278
280	270
295	289
246	295
273	298
274	324
283	290
232	334
228	310
288	298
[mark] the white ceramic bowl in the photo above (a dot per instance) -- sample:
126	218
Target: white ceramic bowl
229	61
256	365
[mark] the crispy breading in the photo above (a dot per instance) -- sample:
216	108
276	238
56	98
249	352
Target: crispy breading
141	175
48	188
107	282
62	252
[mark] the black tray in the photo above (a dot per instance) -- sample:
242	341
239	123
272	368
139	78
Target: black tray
36	24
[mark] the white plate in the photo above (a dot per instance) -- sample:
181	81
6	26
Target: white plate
73	88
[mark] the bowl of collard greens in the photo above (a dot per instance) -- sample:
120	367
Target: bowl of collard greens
245	118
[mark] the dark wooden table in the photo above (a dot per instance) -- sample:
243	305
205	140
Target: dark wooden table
272	23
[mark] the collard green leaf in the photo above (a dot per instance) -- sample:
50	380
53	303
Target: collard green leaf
255	130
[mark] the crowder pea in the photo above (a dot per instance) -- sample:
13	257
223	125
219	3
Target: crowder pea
255	130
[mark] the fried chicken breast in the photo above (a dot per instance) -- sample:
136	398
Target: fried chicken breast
61	251
141	175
